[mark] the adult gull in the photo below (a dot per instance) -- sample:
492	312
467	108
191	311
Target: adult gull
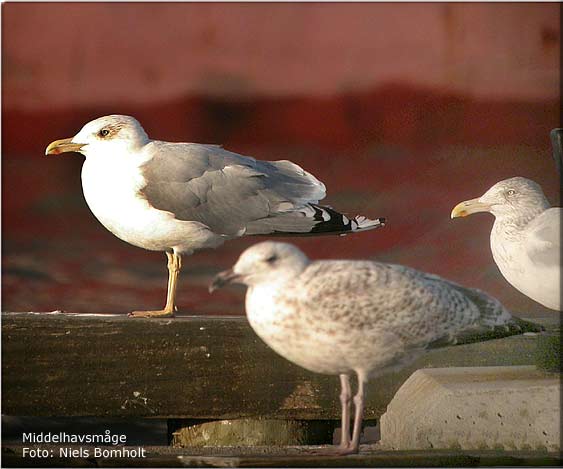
341	317
525	238
182	197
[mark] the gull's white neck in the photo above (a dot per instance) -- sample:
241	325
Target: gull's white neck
262	302
512	225
112	184
508	246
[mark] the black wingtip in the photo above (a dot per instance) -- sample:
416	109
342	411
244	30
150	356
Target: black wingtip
382	220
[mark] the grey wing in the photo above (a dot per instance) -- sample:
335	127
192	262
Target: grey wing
491	312
226	191
374	296
543	238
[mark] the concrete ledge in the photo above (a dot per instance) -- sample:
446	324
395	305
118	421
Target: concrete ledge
494	407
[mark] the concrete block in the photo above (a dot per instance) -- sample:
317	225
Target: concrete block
495	407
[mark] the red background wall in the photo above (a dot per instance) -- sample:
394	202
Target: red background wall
402	110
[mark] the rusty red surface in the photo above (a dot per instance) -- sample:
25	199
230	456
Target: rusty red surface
403	110
407	154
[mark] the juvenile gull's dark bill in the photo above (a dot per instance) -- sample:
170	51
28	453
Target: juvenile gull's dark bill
182	197
525	238
343	317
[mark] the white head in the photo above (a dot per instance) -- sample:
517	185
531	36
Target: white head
108	135
263	263
513	198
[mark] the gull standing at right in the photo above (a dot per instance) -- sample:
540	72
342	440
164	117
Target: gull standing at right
525	239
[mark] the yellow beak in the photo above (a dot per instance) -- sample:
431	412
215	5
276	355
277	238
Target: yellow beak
467	207
63	146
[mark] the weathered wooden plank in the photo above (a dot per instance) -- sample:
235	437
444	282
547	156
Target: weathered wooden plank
187	367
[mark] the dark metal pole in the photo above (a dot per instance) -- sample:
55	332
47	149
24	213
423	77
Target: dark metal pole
556	136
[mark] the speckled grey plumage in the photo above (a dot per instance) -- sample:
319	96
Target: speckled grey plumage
344	316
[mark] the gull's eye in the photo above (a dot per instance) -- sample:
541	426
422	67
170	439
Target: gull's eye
510	192
272	259
103	133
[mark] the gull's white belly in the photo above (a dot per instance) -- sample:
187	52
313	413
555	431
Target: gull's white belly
112	193
538	282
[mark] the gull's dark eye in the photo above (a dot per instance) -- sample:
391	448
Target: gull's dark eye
272	259
103	133
510	192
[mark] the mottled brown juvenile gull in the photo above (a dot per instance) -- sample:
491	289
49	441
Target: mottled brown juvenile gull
340	317
525	239
182	197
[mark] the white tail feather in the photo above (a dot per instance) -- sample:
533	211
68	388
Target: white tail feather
361	223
